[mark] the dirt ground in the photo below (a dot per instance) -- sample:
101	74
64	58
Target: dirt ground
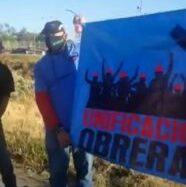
28	178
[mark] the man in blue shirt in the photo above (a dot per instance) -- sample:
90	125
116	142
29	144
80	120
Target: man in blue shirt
55	76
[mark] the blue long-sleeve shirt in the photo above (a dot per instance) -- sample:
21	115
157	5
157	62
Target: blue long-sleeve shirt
55	76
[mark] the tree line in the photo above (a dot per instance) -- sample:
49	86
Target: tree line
12	38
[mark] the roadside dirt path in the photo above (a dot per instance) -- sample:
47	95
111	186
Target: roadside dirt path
27	179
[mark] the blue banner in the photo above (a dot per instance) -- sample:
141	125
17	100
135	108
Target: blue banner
130	100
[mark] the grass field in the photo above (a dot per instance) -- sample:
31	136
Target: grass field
25	134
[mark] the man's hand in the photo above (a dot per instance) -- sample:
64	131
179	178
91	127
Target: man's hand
63	138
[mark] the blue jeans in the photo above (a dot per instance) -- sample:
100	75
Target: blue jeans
58	158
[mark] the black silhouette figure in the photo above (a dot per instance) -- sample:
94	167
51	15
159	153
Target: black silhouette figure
95	91
183	100
171	85
172	99
108	93
183	78
158	86
124	90
138	103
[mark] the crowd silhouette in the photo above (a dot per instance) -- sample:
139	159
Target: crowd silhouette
161	97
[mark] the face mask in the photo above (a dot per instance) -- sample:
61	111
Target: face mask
55	43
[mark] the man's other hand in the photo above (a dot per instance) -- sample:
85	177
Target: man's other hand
63	138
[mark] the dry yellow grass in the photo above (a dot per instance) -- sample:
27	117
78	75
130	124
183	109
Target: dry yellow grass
22	113
24	132
15	58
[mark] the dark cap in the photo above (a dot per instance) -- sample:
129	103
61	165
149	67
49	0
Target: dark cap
53	27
